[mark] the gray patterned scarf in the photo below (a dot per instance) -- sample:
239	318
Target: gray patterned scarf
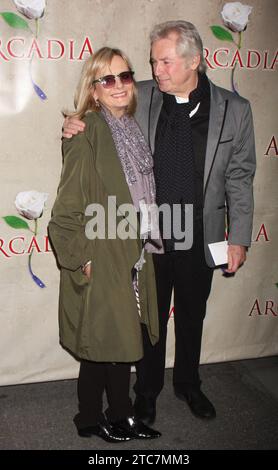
133	152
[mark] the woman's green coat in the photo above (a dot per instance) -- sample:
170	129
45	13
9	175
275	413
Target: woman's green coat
98	318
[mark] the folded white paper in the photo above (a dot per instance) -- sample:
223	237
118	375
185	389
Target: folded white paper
219	252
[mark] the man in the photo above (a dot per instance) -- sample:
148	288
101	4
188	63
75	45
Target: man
202	140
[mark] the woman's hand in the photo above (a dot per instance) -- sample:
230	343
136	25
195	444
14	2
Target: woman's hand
87	271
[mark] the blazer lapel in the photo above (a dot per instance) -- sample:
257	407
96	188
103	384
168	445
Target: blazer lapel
154	111
217	115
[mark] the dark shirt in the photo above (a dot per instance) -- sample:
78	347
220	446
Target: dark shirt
199	125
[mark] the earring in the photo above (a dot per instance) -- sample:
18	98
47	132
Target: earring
97	103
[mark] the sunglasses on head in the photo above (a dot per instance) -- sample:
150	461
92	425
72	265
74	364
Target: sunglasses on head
109	81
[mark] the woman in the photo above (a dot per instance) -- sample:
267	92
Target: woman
107	286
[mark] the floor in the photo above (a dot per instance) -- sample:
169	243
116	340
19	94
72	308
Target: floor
245	394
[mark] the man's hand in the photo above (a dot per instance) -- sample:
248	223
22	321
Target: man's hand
72	126
236	257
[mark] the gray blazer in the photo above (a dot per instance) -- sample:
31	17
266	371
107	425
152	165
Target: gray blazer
230	161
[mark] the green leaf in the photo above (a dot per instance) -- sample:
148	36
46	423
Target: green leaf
221	33
14	20
16	222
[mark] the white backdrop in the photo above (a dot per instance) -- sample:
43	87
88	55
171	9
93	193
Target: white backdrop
242	316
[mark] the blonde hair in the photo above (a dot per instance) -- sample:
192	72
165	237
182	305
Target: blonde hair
189	42
83	98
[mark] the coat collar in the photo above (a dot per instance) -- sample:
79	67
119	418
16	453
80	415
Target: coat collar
108	166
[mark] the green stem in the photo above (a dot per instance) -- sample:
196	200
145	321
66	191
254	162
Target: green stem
238	45
35	231
239	40
37	27
36	227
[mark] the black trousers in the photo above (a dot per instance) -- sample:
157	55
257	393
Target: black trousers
95	378
187	273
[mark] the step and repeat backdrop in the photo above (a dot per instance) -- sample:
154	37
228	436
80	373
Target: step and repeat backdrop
42	49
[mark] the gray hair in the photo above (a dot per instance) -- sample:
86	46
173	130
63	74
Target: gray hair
189	42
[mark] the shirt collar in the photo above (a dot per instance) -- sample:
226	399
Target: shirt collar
181	100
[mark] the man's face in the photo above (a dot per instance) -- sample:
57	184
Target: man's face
174	74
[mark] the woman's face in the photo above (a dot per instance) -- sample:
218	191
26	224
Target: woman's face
117	98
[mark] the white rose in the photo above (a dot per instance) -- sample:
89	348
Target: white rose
30	204
33	9
235	15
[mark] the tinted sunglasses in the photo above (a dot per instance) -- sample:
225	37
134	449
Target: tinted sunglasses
109	81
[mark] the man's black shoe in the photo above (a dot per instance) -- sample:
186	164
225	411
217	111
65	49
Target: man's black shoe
145	409
198	403
106	432
135	429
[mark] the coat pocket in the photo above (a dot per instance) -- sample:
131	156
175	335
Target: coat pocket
226	140
78	281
